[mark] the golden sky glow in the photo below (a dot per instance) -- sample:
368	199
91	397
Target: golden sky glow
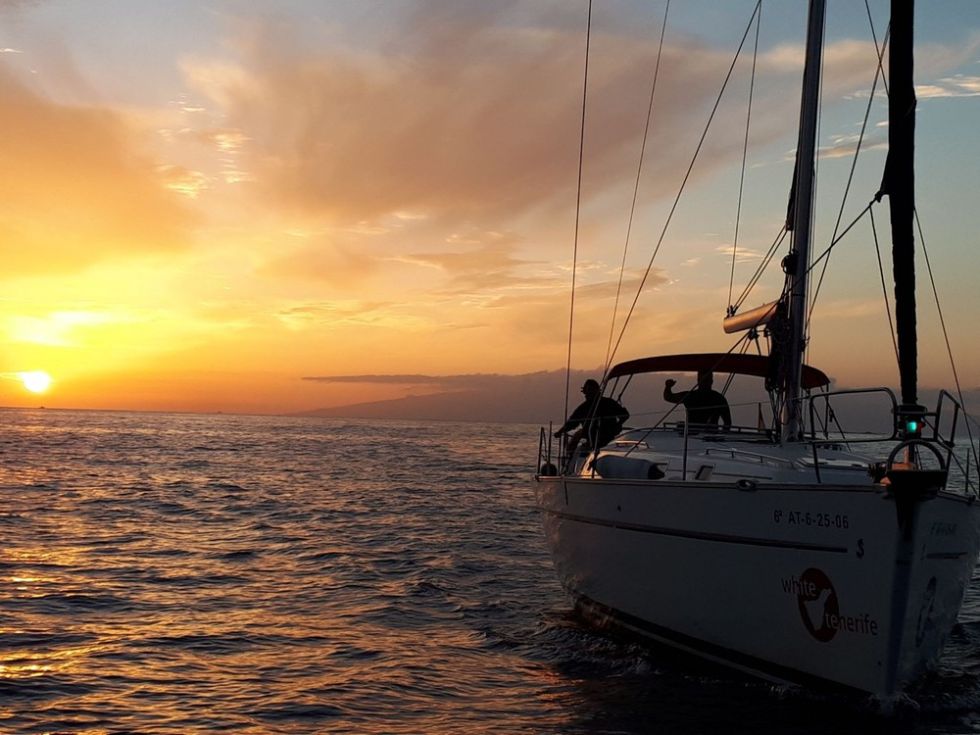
202	204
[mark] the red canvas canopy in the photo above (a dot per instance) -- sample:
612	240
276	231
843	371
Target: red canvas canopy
718	362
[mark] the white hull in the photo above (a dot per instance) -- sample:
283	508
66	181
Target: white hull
803	582
776	550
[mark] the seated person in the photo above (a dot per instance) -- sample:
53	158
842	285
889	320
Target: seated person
601	419
705	407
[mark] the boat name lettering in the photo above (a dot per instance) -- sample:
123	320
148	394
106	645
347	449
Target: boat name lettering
820	609
853	623
811	519
939	528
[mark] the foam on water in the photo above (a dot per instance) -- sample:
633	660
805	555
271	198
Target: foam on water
200	574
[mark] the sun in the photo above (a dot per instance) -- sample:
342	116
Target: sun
36	381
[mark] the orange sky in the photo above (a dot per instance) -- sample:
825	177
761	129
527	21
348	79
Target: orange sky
201	206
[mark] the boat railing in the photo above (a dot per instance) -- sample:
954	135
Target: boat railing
709	432
943	424
544	464
551	461
741	454
823	417
942	402
935	428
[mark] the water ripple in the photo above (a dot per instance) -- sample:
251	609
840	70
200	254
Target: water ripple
202	574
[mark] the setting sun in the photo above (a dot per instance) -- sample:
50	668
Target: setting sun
36	381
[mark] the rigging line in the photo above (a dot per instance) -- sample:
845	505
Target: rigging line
773	249
578	205
854	160
840	237
763	265
884	44
687	176
731	376
766	260
884	287
745	153
636	186
742	344
942	322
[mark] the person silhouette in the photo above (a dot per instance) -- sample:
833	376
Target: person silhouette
601	418
705	406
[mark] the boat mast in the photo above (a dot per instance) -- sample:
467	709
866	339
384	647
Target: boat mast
798	262
899	184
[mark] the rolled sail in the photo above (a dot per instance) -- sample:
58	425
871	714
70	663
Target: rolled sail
751	319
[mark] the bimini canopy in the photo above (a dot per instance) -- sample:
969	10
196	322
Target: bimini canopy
718	362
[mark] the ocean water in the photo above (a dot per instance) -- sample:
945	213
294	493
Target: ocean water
165	573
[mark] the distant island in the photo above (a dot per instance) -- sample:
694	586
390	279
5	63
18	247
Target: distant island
534	398
528	398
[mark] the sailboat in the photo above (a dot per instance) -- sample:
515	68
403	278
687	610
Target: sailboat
779	549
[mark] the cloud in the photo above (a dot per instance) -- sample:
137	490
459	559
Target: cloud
438	145
338	265
959	85
469	381
933	59
58	329
182	180
742	255
75	189
226	140
227	143
852	308
478	260
488	267
607	288
354	312
471	119
845	146
15	6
